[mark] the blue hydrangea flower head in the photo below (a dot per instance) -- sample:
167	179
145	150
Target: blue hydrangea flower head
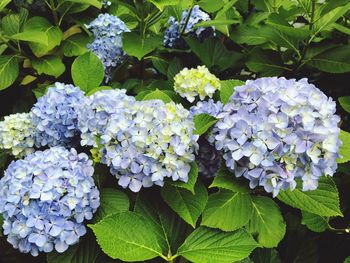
145	142
55	115
275	130
209	107
45	198
97	110
108	44
172	36
17	133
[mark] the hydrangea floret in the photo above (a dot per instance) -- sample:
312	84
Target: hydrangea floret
190	83
108	43
274	130
55	115
17	133
173	35
145	142
45	198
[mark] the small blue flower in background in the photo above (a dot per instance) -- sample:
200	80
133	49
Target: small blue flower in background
172	36
108	44
55	115
207	157
275	130
17	133
45	198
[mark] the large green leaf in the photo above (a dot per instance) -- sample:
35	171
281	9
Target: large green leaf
161	4
270	6
139	47
264	255
54	36
212	53
127	236
203	122
95	3
32	36
157	95
10	24
314	222
49	65
226	180
267	63
112	201
250	35
86	251
227	210
266	222
4	3
344	150
169	226
87	71
336	60
8	71
207	245
227	88
187	205
75	45
345	103
192	179
323	201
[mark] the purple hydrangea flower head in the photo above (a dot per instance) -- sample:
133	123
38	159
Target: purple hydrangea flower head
208	107
97	110
108	44
172	36
55	115
274	130
17	133
45	198
144	142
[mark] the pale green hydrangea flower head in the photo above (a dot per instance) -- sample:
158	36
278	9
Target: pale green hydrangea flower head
190	83
17	134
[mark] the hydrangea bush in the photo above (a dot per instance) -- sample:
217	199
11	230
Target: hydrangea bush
189	131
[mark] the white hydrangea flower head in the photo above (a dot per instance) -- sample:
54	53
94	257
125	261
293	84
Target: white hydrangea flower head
190	83
17	134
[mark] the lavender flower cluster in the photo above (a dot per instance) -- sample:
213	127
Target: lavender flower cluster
108	43
173	35
143	142
45	198
275	130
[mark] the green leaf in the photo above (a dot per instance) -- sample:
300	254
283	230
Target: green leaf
54	36
161	4
138	47
314	222
192	179
8	71
203	122
227	210
323	201
342	29
4	3
94	3
336	60
1	222
10	24
250	35
216	22
270	6
92	91
32	36
127	236
227	88
160	64
112	201
157	95
187	205
327	20
279	22
226	180
86	251
267	63
263	255
50	65
207	245
87	71
75	45
211	6
175	66
169	226
347	260
214	54
345	103
266	222
344	150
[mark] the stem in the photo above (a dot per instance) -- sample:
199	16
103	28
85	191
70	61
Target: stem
54	12
339	230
